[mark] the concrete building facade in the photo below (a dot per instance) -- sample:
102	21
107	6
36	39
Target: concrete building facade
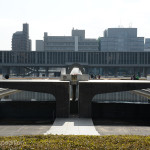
96	62
147	44
75	42
39	45
20	40
121	39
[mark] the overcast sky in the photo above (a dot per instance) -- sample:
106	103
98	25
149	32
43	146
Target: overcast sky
58	17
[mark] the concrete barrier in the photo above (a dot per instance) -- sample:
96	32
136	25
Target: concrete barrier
27	110
120	111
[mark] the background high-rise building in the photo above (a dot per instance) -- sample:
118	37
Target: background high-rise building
121	39
39	45
20	39
147	44
76	42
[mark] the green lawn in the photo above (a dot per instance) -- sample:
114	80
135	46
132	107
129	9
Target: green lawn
42	142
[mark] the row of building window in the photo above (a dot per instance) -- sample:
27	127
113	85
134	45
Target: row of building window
97	58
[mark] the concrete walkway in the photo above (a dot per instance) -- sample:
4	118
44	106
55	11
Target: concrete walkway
20	130
72	126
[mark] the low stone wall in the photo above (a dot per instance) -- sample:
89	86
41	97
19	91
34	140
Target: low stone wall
27	110
120	111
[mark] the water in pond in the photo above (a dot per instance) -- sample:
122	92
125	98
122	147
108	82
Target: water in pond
28	96
116	97
120	97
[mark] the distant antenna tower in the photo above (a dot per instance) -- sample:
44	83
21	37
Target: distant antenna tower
120	24
130	25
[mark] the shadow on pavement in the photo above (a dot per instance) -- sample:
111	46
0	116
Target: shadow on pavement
26	122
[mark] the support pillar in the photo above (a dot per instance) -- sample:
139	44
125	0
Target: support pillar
37	71
46	73
24	74
0	69
105	71
134	71
86	70
67	70
5	70
145	72
62	102
17	70
85	104
115	72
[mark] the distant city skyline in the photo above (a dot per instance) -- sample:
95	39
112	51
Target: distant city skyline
59	17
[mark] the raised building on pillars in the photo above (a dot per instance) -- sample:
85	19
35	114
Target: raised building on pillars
96	62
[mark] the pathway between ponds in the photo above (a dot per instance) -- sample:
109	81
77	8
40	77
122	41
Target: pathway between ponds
72	126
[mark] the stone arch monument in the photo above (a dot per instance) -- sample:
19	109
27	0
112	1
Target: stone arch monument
75	65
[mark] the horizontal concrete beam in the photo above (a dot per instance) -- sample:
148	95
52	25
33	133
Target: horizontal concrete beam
108	86
60	89
88	89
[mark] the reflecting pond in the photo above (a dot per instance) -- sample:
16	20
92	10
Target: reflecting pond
116	97
123	97
28	96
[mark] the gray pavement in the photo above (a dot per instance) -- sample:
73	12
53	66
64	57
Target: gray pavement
18	130
72	126
120	127
123	130
77	126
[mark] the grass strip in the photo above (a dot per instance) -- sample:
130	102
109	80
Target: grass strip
62	142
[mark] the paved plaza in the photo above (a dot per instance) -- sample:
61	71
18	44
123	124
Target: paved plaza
19	130
73	126
76	126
